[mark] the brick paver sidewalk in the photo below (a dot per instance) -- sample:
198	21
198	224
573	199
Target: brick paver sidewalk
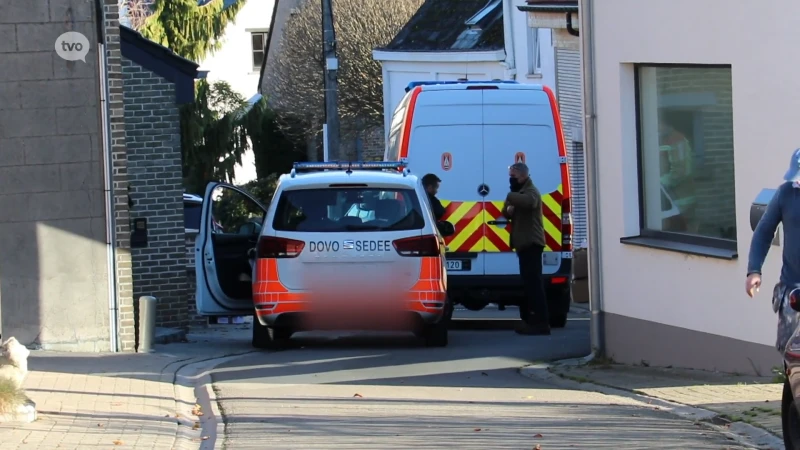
755	400
87	401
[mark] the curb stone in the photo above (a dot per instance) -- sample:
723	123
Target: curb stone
740	432
192	385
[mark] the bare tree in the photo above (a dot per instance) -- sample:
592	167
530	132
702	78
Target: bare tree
295	79
137	11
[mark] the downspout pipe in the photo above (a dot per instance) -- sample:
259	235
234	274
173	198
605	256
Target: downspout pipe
508	37
105	129
570	29
597	330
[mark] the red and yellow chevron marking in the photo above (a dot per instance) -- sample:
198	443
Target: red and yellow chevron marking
473	234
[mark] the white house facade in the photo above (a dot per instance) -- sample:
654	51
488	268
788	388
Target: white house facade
239	61
693	121
505	55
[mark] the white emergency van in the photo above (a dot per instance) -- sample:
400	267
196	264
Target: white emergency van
468	134
342	246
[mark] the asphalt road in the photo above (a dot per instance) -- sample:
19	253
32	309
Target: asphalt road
386	391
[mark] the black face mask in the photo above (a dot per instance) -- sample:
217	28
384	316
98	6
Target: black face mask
515	184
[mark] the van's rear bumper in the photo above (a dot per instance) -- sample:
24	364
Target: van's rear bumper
499	282
511	282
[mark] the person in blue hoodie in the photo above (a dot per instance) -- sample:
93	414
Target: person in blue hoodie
784	208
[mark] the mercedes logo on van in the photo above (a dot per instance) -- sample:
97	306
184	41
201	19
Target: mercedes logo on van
483	190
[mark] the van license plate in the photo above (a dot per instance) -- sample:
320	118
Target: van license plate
455	265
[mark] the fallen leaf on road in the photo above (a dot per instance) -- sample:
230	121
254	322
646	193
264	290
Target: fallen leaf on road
477	429
538	435
118	442
197	410
358	395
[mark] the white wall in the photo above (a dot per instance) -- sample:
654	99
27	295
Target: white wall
234	63
678	289
519	26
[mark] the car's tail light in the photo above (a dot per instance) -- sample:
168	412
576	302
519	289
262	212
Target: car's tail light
418	246
275	247
794	299
566	225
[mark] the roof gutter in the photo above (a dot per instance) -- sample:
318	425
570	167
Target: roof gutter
439	56
508	37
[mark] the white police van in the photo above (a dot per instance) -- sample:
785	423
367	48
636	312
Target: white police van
350	245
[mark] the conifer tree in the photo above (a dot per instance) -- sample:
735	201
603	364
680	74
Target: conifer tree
189	29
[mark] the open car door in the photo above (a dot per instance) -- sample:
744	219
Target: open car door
230	225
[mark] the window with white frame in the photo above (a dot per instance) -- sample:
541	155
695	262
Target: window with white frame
534	53
259	48
685	126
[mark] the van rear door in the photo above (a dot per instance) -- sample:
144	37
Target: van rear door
446	139
519	126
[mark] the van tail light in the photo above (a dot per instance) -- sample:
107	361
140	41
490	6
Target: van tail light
418	246
275	247
566	225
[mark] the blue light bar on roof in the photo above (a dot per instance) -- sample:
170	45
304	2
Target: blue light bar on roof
414	84
350	165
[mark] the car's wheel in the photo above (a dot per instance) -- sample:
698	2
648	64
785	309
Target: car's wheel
558	320
262	338
281	337
436	334
790	419
559	300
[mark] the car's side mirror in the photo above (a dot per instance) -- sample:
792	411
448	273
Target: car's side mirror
445	228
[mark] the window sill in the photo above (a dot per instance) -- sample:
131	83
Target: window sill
681	247
534	76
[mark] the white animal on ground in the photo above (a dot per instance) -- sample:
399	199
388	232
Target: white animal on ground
14	361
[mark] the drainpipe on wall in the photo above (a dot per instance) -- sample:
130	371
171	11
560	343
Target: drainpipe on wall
590	145
508	36
108	187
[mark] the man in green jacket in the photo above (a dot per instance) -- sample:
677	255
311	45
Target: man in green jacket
523	207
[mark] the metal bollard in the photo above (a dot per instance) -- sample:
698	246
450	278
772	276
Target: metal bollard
147	323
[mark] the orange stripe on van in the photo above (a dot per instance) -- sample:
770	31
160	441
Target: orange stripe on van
406	133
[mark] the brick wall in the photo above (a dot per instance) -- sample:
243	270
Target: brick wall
715	173
370	140
119	179
156	189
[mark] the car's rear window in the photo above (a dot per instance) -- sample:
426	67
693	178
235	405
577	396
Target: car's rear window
348	209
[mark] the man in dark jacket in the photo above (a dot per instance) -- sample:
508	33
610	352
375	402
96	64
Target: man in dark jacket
431	184
523	207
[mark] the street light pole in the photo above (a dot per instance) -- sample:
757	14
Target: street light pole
331	81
